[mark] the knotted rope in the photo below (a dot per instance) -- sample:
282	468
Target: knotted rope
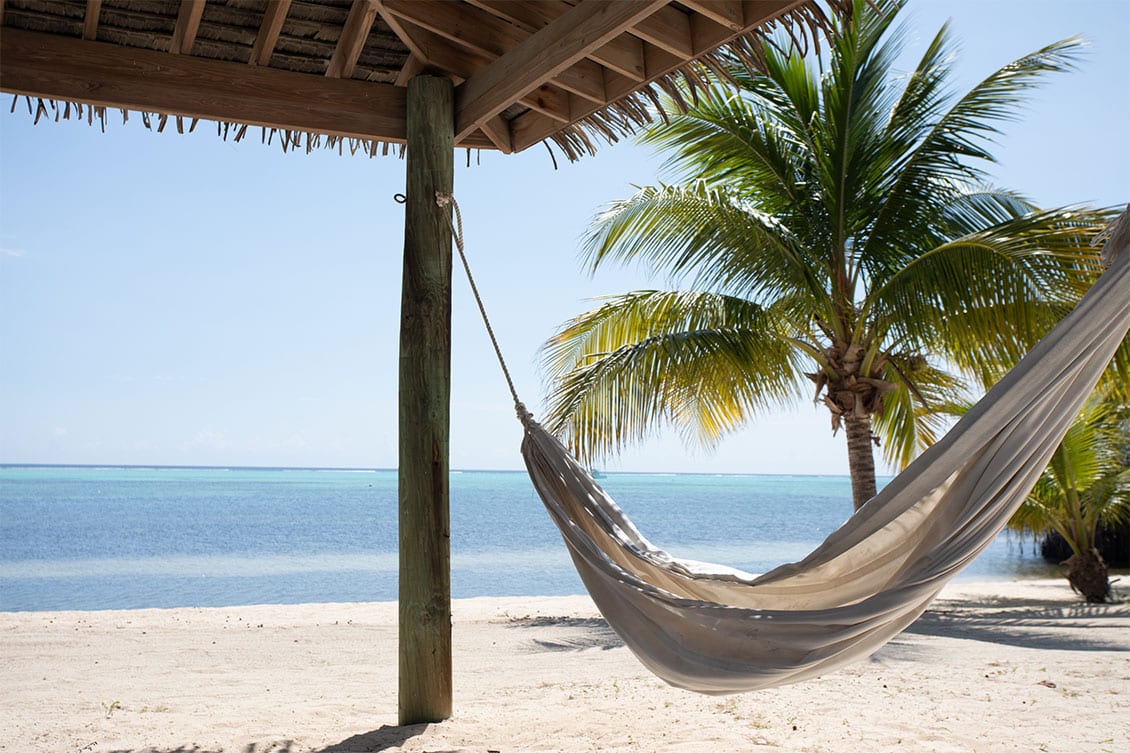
447	200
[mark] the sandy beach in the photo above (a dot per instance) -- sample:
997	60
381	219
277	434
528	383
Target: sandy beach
1016	666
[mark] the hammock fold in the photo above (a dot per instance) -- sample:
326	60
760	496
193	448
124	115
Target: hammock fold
713	629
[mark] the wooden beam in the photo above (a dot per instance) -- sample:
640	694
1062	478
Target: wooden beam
670	29
461	63
188	23
405	36
90	19
425	396
62	68
707	35
586	27
352	39
623	54
491	37
497	129
531	128
273	19
427	51
414	65
729	13
472	30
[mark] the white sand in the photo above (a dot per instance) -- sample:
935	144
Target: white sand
1020	666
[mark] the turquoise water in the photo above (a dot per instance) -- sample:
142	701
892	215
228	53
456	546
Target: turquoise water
122	538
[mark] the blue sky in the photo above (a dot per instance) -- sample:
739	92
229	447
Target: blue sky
169	299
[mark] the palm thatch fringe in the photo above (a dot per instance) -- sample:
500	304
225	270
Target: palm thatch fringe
289	140
804	26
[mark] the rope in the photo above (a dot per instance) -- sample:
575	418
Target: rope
445	200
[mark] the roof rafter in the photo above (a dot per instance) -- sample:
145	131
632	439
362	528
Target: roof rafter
487	35
669	29
463	63
188	23
273	18
532	127
587	26
352	39
425	49
417	58
624	54
729	13
90	19
413	66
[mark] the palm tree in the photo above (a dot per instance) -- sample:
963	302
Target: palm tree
831	224
1087	484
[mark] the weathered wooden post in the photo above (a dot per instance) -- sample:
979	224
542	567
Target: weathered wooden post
425	388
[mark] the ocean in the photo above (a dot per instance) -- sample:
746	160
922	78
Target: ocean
86	538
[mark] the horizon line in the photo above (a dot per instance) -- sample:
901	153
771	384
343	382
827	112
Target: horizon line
357	469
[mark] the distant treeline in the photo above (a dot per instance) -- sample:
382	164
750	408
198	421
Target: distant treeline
1113	544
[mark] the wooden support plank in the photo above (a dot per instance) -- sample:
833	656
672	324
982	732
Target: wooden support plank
55	67
761	12
188	23
425	45
668	28
90	19
462	63
411	67
729	13
491	37
425	393
497	129
414	66
472	30
531	128
586	27
273	19
623	54
707	34
352	39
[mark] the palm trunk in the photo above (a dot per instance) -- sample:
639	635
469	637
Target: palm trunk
861	461
1087	573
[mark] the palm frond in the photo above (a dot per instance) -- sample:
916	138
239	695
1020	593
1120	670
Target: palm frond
1087	482
700	362
707	234
983	299
959	138
856	98
918	413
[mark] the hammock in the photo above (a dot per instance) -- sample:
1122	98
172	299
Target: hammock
716	630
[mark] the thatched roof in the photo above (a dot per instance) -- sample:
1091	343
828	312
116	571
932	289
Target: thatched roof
332	73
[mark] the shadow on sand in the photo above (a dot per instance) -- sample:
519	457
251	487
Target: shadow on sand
1013	622
577	634
382	739
385	738
1017	622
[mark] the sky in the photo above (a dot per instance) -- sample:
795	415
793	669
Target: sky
181	300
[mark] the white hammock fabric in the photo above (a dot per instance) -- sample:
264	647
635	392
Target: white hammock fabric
712	629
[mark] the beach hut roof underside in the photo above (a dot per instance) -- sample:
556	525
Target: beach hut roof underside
332	73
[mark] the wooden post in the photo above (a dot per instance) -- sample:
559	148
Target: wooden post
425	389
